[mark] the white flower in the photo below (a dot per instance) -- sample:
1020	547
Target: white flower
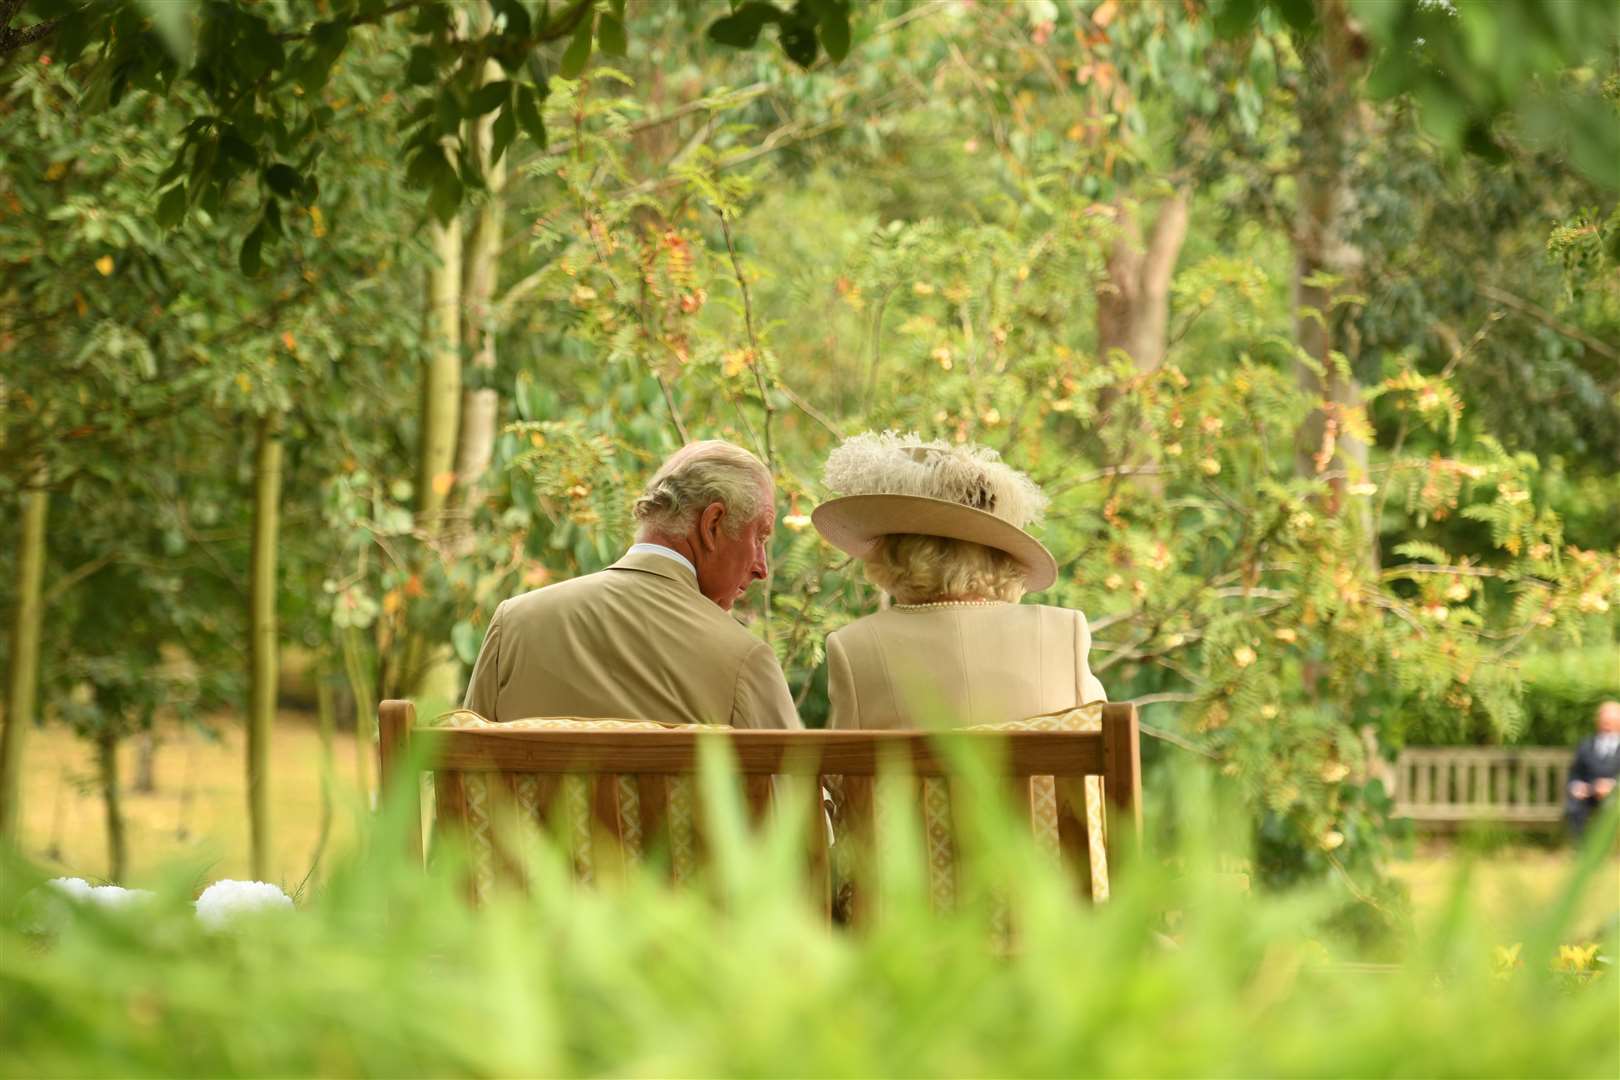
107	896
223	901
111	896
75	888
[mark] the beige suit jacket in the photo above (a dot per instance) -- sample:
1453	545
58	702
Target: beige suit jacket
636	641
956	666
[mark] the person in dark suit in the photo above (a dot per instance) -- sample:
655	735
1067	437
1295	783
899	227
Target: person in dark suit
1592	773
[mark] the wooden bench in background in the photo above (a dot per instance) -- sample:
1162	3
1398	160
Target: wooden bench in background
622	795
1445	787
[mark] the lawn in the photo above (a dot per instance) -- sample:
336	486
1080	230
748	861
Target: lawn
197	812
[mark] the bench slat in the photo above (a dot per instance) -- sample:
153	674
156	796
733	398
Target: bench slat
865	753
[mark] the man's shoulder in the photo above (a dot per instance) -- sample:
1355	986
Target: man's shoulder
557	592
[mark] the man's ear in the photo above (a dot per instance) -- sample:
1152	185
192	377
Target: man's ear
708	525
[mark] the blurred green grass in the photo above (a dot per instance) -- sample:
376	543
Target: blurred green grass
384	971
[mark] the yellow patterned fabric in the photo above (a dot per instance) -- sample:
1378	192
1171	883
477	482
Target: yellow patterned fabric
575	821
1044	813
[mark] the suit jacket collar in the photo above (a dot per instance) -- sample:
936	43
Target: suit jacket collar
659	566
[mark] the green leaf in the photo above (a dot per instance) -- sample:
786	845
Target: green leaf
528	115
578	53
171	208
427	166
423	66
466	641
517	17
489	97
501	134
233	146
449	109
272	218
1299	14
741	28
1235	17
283	179
420	112
835	31
445	199
799	41
250	257
610	35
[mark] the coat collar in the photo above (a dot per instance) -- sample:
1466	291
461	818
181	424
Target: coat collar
657	565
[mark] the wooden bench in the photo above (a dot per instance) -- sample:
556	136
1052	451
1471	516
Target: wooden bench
1445	787
626	796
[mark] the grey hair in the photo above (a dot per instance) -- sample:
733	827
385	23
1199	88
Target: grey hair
698	474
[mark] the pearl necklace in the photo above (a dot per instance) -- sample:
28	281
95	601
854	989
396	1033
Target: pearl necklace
932	604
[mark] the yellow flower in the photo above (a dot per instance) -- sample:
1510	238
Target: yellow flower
1331	839
1506	957
1576	957
1173	449
1286	633
1210	466
1363	489
1593	602
105	265
922	288
1113	582
796	522
942	356
1334	771
1243	656
1457	591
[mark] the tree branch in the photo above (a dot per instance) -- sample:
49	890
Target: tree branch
1550	321
12	40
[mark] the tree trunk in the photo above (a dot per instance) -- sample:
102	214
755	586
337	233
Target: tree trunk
325	714
365	709
480	404
146	763
441	386
1326	259
22	685
1133	305
262	638
107	767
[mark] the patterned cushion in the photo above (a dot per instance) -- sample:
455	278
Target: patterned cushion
1043	789
573	815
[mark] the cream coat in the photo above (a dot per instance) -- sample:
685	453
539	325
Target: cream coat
960	665
636	641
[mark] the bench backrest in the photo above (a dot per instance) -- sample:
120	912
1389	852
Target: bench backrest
1453	784
613	795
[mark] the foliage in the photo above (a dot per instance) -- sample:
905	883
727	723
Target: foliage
1562	692
260	76
385	971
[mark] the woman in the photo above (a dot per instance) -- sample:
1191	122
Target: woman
940	529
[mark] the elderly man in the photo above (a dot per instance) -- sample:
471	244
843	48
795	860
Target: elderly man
649	638
1592	773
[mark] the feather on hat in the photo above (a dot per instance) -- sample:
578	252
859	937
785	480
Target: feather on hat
890	483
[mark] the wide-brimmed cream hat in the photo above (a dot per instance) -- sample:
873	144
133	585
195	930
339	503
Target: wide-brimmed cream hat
893	483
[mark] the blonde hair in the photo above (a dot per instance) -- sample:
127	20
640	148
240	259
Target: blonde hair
701	473
914	569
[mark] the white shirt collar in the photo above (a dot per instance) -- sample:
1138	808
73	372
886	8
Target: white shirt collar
660	549
1605	743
